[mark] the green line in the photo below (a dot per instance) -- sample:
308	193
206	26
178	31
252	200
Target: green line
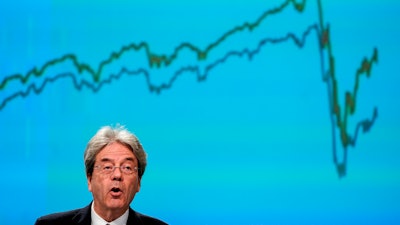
153	58
350	98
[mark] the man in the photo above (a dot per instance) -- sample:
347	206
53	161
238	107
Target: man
115	162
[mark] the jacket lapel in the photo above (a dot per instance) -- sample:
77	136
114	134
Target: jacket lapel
83	216
133	218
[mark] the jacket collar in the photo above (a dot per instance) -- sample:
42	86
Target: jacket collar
83	216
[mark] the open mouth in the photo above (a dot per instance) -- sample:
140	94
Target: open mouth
115	190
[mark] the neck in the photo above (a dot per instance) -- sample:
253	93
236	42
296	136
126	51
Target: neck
108	214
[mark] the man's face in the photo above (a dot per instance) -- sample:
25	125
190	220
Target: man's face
112	193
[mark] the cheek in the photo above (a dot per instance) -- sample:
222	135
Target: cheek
135	186
96	185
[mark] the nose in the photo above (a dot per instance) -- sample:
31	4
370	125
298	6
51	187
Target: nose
117	173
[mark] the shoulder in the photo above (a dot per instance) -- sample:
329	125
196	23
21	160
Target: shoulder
58	218
144	219
67	217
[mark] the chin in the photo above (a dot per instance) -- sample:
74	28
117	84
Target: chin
117	204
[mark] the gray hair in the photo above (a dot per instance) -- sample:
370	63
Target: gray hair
107	135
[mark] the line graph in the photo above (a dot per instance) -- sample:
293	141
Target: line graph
154	59
339	114
350	98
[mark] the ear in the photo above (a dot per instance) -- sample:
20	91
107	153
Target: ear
89	180
138	186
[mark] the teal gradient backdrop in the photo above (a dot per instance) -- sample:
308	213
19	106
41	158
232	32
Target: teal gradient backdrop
239	125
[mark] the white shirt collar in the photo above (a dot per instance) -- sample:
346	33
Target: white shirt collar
97	220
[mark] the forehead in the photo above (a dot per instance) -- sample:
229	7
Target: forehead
115	152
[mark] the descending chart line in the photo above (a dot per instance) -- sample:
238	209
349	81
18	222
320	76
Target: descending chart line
329	76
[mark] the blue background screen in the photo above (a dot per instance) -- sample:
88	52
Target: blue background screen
251	112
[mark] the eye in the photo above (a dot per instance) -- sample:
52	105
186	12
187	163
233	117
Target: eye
127	168
107	167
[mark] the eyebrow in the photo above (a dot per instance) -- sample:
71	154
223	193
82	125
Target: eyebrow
111	160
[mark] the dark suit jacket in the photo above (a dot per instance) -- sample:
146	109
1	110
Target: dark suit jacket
83	217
